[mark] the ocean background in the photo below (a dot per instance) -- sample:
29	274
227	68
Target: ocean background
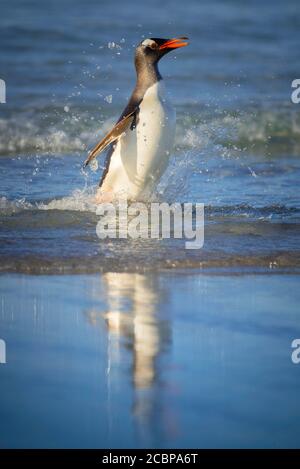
150	344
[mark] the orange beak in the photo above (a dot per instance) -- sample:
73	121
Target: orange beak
174	43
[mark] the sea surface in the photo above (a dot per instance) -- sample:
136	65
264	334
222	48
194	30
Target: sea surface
150	344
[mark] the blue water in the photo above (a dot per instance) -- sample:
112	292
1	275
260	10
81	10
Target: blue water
130	360
150	344
237	147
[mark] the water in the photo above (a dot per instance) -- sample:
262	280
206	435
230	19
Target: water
68	68
237	143
251	222
133	360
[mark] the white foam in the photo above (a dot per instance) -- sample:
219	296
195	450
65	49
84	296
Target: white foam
73	134
11	206
79	200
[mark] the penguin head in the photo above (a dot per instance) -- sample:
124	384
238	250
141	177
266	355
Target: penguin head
154	48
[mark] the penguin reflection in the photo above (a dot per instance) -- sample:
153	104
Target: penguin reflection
131	318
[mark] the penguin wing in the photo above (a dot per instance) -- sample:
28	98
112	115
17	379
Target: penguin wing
115	133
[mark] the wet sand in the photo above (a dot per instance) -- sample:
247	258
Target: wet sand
149	360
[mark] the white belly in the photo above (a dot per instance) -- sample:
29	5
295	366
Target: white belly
141	155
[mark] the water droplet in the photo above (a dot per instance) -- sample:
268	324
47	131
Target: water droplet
94	165
108	98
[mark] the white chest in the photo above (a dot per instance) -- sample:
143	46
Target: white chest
141	155
155	128
156	116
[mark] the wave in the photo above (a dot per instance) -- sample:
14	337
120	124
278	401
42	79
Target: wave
64	130
243	131
23	137
82	200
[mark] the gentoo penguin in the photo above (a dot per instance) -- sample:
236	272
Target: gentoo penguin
141	141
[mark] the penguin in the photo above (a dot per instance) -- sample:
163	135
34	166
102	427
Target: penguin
140	143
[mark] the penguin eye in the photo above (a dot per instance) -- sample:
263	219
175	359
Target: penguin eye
153	45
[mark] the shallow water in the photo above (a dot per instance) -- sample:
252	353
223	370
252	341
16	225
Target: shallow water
41	234
132	360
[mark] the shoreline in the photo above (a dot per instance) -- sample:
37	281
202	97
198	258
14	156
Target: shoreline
269	266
